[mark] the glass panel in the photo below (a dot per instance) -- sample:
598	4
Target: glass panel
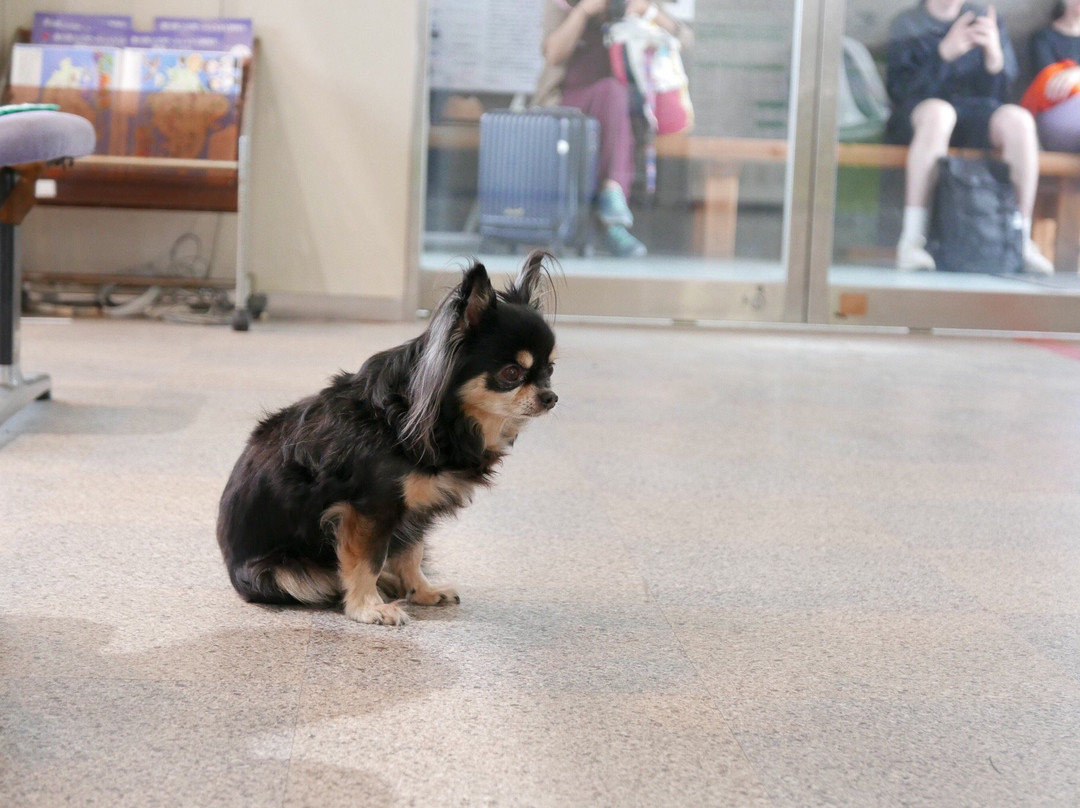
865	285
709	205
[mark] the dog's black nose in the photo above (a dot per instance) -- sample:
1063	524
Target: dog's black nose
548	399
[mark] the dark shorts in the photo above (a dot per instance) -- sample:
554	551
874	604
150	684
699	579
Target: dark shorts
972	123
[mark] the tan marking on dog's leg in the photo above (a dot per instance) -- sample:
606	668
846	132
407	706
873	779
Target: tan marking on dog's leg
308	584
421	491
355	541
418	589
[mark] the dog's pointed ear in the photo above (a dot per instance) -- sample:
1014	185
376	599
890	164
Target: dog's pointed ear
475	295
525	289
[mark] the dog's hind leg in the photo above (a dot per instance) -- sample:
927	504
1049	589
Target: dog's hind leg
282	581
308	582
361	551
417	588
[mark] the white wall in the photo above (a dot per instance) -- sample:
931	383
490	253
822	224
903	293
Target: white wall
336	159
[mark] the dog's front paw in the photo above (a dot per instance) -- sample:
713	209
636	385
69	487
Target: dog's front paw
433	596
380	614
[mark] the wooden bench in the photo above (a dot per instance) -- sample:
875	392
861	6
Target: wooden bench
1056	228
162	183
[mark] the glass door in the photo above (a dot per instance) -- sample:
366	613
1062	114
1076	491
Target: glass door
859	204
723	210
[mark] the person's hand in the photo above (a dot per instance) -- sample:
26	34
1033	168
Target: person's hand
1062	83
592	7
958	40
986	35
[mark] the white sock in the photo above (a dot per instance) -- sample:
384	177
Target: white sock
1027	229
914	226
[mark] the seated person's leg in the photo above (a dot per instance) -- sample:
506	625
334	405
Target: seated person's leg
608	100
1012	132
932	122
1059	126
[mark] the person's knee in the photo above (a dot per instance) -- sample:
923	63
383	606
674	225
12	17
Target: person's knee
934	117
1012	123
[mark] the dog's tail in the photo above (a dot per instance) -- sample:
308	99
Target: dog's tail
283	580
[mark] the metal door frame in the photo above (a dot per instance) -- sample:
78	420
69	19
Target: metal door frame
805	294
707	299
913	308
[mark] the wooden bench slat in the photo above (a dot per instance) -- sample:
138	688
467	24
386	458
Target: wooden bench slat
764	150
723	149
1057	229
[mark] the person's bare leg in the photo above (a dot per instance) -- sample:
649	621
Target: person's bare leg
933	121
1013	133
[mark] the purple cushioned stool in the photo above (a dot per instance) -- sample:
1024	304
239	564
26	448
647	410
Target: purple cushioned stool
28	141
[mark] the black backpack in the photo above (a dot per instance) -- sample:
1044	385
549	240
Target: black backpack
975	225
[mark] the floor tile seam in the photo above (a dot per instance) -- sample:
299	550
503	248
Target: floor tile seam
804	605
995	617
170	680
848	615
650	601
927	557
722	702
298	709
918	698
1041	553
1034	649
704	684
609	696
715	697
764	782
1045	615
933	558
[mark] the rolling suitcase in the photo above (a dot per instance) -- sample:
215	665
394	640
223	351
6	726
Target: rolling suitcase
537	177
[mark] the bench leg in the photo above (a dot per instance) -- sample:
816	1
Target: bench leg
1067	246
16	390
714	224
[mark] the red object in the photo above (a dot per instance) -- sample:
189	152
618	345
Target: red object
672	112
1035	100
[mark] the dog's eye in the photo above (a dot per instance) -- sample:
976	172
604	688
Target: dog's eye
511	374
550	368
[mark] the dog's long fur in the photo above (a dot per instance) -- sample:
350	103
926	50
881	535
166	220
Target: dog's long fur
341	487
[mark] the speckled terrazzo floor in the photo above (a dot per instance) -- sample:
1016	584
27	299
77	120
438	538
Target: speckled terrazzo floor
731	568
